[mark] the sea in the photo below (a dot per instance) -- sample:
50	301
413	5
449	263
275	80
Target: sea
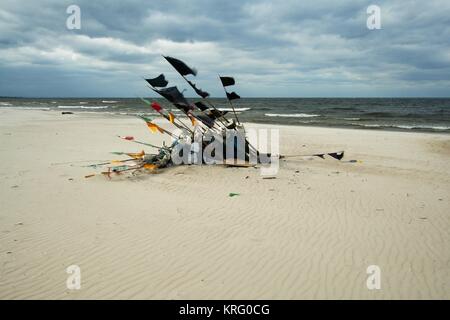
403	114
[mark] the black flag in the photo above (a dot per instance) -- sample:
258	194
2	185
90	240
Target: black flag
232	125
200	92
337	155
180	66
173	95
201	106
214	113
206	120
227	81
232	96
183	107
160	81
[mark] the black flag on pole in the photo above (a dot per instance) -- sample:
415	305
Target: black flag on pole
232	96
180	66
201	106
206	120
173	95
184	107
232	125
214	113
337	155
184	70
200	92
227	81
158	82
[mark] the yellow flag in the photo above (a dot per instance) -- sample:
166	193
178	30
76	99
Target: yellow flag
171	117
154	128
192	119
136	155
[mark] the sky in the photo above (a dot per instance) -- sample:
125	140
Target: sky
272	48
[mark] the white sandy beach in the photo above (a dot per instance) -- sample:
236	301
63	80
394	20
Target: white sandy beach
310	233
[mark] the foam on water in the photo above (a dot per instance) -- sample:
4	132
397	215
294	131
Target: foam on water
236	109
293	115
83	107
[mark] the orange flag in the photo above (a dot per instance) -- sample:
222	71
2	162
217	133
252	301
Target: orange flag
154	128
192	119
136	155
150	166
171	117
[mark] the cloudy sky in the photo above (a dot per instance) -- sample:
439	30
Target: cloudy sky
272	48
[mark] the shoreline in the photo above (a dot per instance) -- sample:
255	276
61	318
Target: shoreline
118	114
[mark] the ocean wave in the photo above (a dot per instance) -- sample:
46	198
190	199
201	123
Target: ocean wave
352	119
37	108
109	101
236	109
424	127
292	115
99	112
5	104
29	108
344	108
401	126
83	107
379	114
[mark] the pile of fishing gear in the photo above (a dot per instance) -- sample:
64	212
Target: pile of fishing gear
207	137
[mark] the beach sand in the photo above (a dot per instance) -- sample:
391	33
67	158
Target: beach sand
310	233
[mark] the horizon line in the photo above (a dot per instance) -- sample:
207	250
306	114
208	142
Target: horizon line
252	97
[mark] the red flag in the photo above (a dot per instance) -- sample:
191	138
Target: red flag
156	106
126	137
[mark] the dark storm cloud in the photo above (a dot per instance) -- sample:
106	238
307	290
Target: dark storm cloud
285	48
